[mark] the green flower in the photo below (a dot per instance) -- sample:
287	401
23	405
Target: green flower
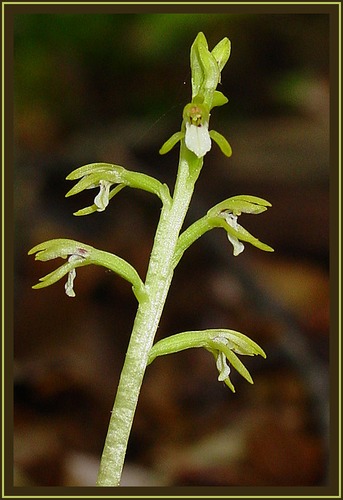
78	255
195	132
97	175
223	344
106	175
226	213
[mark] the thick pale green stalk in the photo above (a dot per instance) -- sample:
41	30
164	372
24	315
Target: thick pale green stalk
158	280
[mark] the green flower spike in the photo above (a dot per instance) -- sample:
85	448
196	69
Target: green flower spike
221	343
79	255
104	176
206	68
170	243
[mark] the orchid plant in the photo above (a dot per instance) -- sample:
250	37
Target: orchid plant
170	243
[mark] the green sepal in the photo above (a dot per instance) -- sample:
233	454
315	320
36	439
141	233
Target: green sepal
240	204
54	276
59	247
220	140
92	180
170	143
90	168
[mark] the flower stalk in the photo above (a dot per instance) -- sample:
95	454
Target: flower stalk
157	284
169	245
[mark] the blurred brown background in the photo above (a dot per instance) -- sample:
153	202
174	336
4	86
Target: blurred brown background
111	87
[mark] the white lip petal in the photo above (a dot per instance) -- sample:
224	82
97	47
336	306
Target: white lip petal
198	139
69	286
238	246
223	367
102	198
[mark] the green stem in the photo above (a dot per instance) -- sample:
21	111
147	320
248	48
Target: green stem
190	235
157	284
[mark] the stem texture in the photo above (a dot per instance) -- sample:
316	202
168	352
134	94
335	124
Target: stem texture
157	284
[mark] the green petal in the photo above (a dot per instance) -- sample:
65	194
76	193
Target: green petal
235	336
237	205
230	385
222	142
244	235
219	99
59	247
237	364
242	344
261	246
56	275
91	168
170	143
86	211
